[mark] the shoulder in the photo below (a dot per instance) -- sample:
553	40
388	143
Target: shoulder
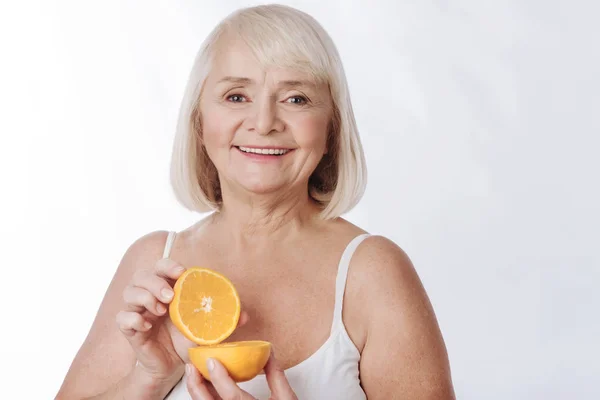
145	250
150	244
380	262
376	260
382	251
150	247
382	285
384	274
387	281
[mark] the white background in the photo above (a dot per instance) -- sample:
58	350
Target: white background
480	122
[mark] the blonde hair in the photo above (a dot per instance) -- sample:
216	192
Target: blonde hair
278	36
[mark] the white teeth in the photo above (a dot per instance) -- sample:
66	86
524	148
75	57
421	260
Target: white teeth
263	151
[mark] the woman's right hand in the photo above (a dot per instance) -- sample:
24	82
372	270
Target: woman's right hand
160	348
144	322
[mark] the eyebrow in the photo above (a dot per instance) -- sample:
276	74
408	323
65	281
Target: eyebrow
236	79
248	81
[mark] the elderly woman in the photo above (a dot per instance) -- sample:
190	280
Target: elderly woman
267	140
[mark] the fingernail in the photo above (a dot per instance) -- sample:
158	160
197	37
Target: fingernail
179	270
188	370
147	325
160	308
210	364
167	294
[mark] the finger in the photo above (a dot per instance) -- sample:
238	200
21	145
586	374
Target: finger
277	381
196	385
156	285
225	386
137	299
244	317
131	322
167	268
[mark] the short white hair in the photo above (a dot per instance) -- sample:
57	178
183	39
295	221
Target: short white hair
279	36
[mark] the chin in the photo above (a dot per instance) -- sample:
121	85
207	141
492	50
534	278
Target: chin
262	188
261	183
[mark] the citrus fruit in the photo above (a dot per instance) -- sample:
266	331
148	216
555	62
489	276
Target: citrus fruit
243	360
205	307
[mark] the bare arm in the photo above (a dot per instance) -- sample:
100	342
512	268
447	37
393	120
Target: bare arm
105	362
404	355
134	385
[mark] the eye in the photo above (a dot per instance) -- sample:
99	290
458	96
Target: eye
236	98
300	100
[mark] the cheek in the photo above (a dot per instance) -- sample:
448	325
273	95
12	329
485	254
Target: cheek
312	132
217	128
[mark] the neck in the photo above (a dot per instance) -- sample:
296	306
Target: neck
260	219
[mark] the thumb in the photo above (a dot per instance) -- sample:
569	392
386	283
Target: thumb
224	385
278	383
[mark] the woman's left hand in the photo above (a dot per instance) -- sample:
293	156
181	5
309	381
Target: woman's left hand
226	388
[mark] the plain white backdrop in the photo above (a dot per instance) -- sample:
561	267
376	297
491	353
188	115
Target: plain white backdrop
480	123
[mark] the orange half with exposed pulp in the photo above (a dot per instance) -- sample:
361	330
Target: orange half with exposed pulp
206	306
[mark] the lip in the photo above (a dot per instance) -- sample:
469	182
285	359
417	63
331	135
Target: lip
264	157
263	147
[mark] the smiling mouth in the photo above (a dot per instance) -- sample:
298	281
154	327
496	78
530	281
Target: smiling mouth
268	152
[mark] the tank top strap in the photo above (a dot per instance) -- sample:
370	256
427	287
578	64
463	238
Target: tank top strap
169	244
340	281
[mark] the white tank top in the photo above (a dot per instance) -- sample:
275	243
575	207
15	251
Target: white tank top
331	372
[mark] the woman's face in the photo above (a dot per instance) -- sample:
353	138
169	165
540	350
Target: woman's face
264	129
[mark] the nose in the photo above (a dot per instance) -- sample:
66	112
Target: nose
266	119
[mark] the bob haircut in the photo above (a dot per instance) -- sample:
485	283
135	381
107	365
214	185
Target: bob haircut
278	36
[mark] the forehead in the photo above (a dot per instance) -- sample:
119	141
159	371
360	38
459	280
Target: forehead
234	58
